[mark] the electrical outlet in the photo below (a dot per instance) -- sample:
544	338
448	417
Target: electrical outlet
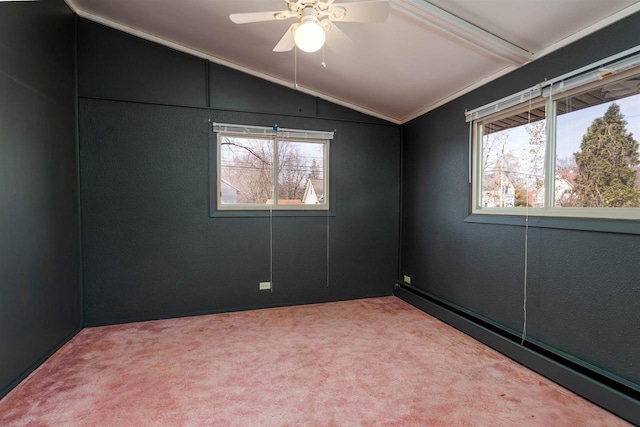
407	279
264	286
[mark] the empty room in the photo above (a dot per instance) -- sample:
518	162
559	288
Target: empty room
320	213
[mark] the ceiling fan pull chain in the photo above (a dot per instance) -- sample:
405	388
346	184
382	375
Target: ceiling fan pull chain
295	67
324	64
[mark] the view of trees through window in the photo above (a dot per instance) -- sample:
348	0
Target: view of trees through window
248	166
513	162
597	154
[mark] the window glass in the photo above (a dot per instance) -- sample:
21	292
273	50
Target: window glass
246	170
513	152
597	152
250	165
300	173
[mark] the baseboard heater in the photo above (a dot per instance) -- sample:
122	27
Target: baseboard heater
601	390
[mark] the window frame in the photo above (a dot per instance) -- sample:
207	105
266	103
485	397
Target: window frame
522	102
477	166
275	135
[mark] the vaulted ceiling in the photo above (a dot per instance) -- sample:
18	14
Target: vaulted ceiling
425	54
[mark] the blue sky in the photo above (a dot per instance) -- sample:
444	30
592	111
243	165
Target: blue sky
572	126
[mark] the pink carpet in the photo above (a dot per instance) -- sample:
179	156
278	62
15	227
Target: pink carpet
368	362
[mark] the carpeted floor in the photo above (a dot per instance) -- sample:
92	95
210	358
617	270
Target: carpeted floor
367	362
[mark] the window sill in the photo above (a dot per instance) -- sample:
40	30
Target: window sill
274	213
583	224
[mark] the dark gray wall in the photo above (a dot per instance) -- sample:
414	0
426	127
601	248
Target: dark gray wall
150	247
39	232
583	286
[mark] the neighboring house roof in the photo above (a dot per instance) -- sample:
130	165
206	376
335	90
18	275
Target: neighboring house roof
314	192
570	177
224	181
228	192
318	186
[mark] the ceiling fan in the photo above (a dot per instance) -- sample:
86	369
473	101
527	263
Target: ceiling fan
317	20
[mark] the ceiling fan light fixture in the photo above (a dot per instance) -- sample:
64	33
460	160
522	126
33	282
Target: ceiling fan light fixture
309	36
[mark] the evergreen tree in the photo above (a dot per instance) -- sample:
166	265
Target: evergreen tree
607	163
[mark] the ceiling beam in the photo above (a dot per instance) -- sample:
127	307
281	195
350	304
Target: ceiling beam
464	32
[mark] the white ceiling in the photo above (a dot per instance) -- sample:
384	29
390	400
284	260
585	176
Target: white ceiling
424	55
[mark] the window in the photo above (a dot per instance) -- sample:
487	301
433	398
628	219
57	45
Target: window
265	168
512	163
568	147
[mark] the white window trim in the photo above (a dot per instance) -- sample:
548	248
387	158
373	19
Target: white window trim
568	84
274	134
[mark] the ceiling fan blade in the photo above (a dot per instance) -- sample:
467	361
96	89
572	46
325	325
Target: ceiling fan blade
247	18
287	42
365	11
336	39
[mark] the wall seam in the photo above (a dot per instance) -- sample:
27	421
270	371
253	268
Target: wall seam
195	107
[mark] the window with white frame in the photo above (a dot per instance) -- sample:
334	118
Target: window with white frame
270	168
568	147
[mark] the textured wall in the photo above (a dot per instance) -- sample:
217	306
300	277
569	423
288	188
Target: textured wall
39	231
583	287
150	248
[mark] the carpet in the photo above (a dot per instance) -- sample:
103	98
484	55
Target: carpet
370	362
